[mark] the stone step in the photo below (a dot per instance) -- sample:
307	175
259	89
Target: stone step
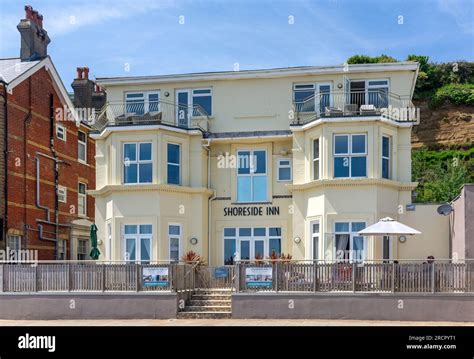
194	302
204	315
208	308
210	297
214	290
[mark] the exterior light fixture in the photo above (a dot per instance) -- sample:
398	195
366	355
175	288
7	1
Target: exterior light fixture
166	93
402	239
297	240
193	241
339	86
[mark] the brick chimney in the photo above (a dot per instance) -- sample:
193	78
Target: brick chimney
34	39
86	93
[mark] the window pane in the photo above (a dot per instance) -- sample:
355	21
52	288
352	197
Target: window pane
259	249
358	167
357	226
229	232
229	251
358	247
201	91
145	229
82	188
243	189
81	136
385	168
260	165
130	229
315	228
316	148
145	151
173	174
130	249
245	232
259	232
260	188
284	174
130	152
130	173
175	230
275	232
146	172
341	144
243	159
204	102
245	250
341	167
316	247
304	100
342	226
316	169
274	246
174	249
145	249
81	151
358	144
385	146
173	153
284	163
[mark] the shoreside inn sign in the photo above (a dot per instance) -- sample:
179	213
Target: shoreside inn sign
252	211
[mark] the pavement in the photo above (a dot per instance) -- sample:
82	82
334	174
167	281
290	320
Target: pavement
224	322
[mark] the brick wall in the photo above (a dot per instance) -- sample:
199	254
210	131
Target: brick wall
2	160
29	133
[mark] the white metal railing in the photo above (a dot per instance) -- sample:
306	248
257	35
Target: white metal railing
120	113
354	103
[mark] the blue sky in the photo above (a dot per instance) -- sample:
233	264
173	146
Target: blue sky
161	37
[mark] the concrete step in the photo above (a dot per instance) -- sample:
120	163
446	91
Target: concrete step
205	302
208	308
210	297
214	291
204	315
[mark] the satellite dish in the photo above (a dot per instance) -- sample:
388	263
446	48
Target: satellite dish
445	209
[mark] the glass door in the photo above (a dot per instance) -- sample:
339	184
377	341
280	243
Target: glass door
182	114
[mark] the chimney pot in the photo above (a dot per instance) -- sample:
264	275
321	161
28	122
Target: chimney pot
79	72
29	12
40	21
86	72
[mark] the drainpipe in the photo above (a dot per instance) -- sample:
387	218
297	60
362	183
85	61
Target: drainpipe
209	207
5	141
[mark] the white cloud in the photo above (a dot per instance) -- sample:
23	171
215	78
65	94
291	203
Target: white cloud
461	11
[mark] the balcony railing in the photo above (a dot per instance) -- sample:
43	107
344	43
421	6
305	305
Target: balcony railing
119	113
354	103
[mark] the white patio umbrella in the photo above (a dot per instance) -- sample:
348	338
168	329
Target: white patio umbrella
386	227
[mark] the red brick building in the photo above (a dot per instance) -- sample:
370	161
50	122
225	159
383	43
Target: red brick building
47	160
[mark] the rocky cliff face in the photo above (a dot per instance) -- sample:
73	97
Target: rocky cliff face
444	126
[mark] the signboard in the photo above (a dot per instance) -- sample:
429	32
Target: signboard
251	211
259	277
221	272
155	277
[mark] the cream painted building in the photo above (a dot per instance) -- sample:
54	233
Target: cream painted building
251	164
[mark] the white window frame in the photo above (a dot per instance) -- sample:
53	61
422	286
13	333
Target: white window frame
349	154
137	237
191	95
367	86
61	132
387	158
316	159
351	239
17	240
315	88
310	87
251	174
86	255
312	236
174	164
62	192
252	238
146	100
279	166
82	143
62	249
82	196
137	161
174	236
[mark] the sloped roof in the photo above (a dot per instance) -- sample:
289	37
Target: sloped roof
11	68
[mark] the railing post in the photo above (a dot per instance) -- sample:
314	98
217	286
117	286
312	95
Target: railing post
393	277
276	277
103	277
68	274
315	279
433	277
1	277
237	278
36	278
137	277
353	277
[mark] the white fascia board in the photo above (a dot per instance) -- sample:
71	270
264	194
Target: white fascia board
250	74
108	130
349	120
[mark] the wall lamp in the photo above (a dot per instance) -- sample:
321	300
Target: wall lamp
193	241
297	240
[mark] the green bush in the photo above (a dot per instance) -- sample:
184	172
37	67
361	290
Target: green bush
457	94
364	59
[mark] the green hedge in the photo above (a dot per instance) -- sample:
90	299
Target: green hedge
457	94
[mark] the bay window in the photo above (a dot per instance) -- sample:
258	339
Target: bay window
350	155
348	245
174	164
252	179
137	242
386	157
316	160
137	163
